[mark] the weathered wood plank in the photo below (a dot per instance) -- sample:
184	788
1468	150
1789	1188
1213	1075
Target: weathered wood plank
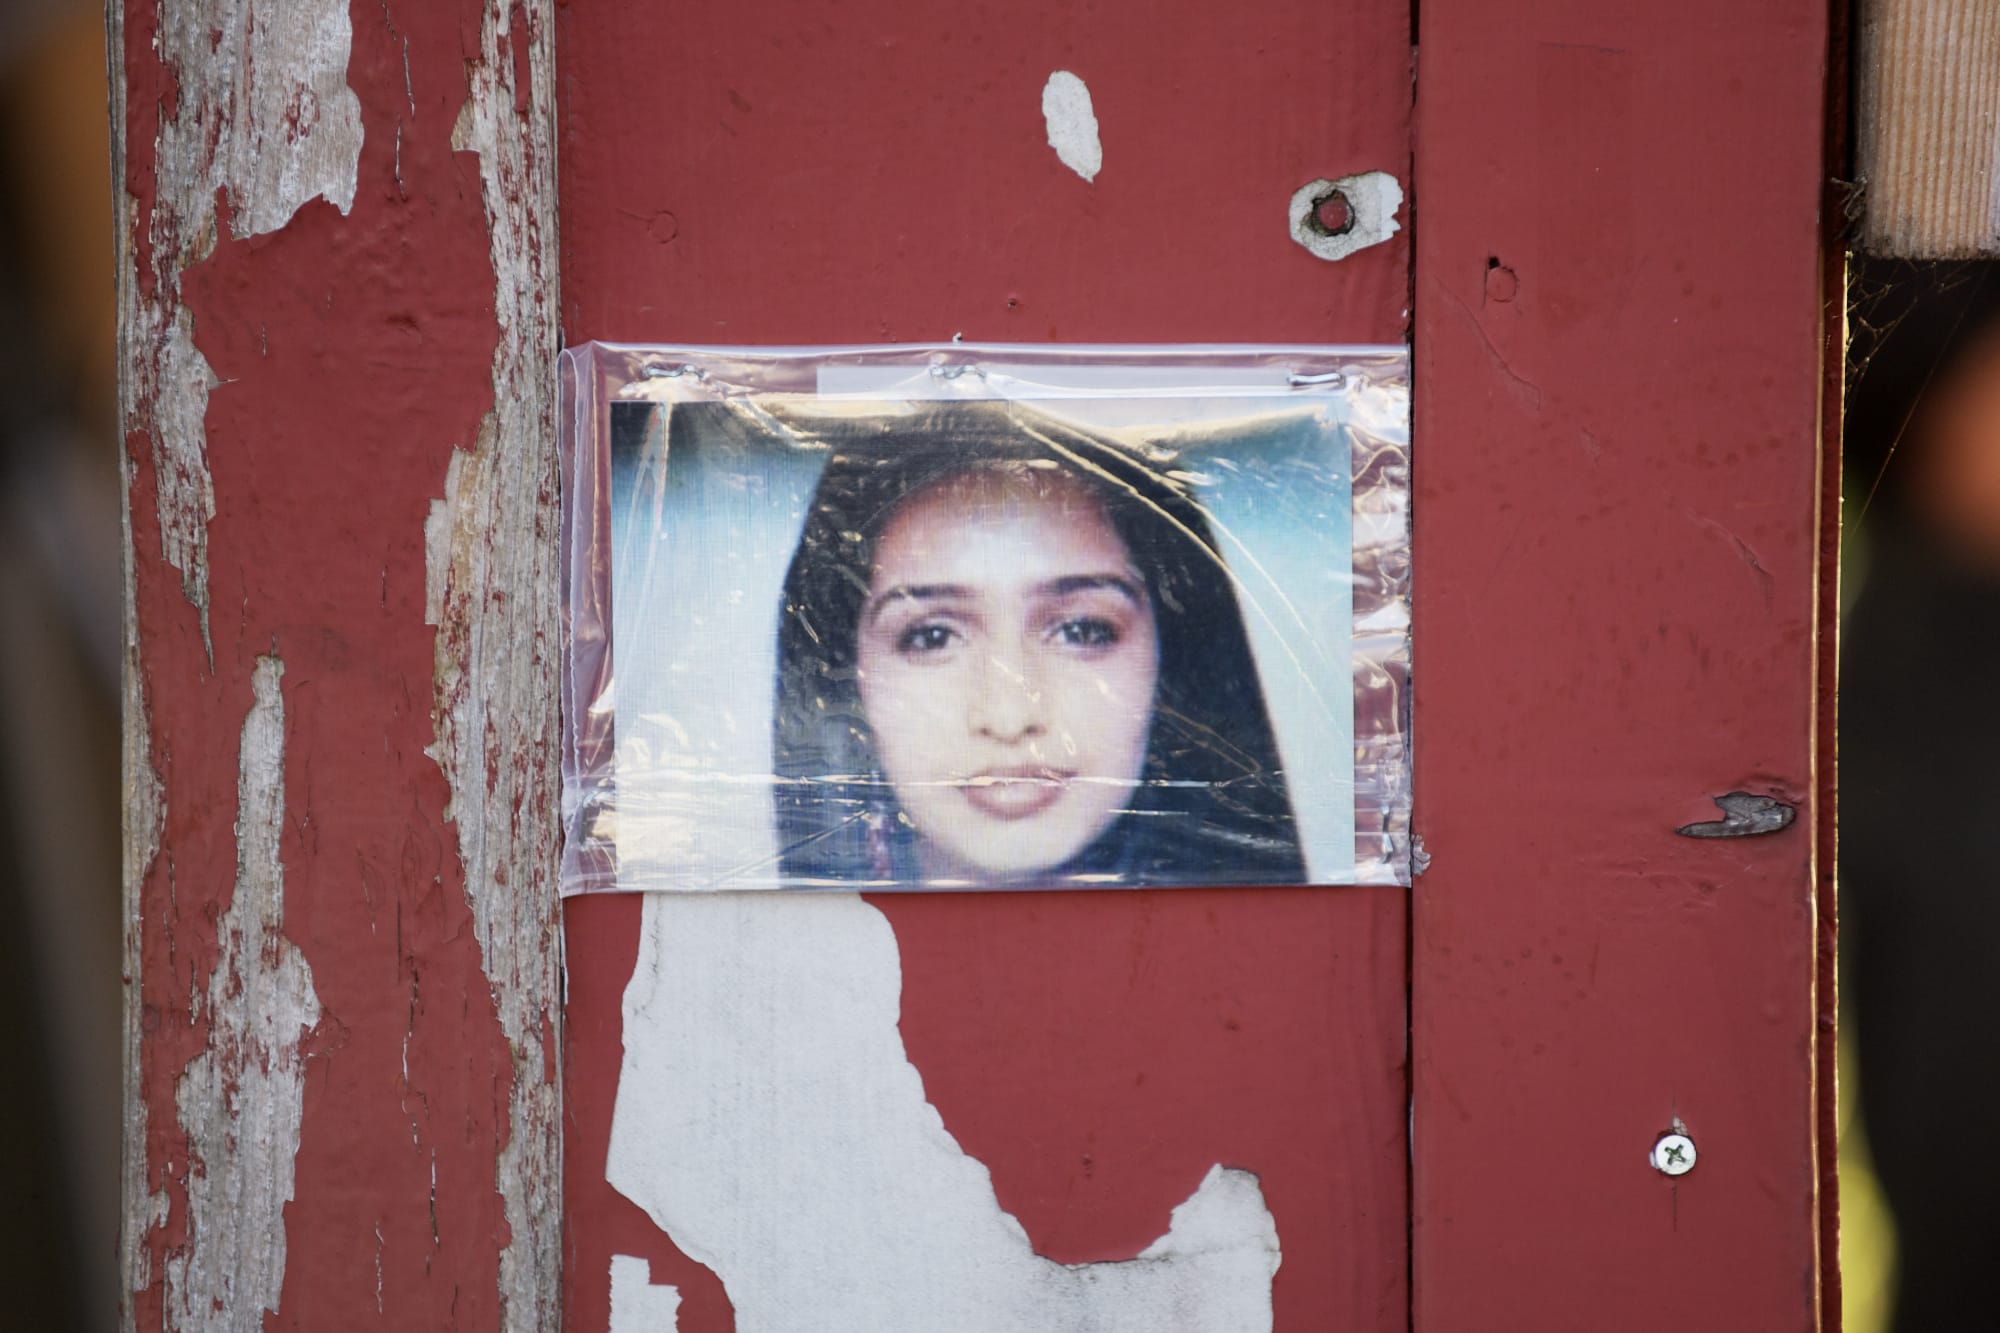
337	305
1928	122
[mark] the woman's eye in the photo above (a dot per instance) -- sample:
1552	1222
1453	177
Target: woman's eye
1087	632
918	639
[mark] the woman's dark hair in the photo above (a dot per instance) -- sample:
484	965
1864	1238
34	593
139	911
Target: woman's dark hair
1212	806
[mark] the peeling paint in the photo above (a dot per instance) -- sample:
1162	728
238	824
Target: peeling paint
263	116
1372	200
637	1306
490	588
141	1208
1744	815
145	811
241	1098
770	1121
176	382
1072	124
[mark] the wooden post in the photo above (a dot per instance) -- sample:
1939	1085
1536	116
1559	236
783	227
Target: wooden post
337	318
1928	120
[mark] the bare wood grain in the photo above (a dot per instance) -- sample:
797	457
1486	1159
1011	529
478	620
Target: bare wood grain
1928	127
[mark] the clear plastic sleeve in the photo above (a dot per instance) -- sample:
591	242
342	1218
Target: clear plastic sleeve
962	617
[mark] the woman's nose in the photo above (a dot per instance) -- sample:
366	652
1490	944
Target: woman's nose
1007	700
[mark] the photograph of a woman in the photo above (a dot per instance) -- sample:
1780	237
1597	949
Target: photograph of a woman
1010	652
1017	631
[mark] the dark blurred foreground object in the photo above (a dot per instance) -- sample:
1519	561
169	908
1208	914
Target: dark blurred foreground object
59	654
1920	771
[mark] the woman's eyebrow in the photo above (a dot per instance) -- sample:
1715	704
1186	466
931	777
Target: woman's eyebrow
1070	584
916	592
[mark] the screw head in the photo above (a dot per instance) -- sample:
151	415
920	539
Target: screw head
1673	1155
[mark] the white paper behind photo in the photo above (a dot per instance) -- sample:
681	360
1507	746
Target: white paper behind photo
964	618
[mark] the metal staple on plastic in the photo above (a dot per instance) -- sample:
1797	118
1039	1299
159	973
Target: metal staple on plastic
1332	378
673	372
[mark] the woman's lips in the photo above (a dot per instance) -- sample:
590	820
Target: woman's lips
1014	793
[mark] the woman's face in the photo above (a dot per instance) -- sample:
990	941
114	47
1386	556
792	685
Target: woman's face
1007	653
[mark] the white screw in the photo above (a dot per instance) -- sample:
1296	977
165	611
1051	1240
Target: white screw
1673	1155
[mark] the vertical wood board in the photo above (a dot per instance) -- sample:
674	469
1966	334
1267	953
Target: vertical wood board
1619	452
336	318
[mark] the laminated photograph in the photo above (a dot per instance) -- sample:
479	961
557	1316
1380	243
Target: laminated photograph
962	617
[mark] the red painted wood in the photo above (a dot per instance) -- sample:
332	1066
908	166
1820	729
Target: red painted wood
877	171
354	355
1617	478
1826	756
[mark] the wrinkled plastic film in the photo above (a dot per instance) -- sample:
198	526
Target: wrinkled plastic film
743	528
1382	713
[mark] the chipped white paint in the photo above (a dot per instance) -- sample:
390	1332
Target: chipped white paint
637	1306
1072	124
240	1100
1372	200
769	1119
490	588
263	115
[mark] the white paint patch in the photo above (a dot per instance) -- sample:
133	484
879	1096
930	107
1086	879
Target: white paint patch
490	588
637	1306
1072	124
241	1099
1372	200
263	115
769	1119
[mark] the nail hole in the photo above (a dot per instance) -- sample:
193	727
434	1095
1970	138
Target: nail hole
1331	214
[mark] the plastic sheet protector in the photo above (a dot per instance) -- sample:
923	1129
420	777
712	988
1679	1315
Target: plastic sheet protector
985	617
